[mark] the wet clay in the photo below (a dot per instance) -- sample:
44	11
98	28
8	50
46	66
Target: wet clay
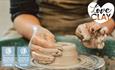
46	55
69	55
94	39
64	52
69	60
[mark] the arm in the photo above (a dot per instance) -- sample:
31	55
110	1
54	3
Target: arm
24	24
110	24
24	15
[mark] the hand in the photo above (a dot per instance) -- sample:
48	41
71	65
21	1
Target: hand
43	46
92	35
44	38
88	36
45	55
95	42
82	32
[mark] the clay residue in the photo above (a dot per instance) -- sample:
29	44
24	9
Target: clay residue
91	38
69	56
64	54
47	55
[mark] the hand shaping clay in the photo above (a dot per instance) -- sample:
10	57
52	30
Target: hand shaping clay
69	56
46	55
42	59
51	51
70	60
94	39
55	56
83	33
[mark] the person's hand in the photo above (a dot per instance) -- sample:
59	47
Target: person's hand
43	46
82	32
45	55
92	35
95	42
44	38
89	37
41	39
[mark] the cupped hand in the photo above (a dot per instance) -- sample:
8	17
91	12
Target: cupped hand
92	35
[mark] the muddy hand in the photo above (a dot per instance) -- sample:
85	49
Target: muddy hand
104	30
91	34
100	37
42	59
100	41
47	51
83	33
97	41
45	55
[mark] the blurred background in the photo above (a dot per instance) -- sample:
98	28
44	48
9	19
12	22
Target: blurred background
5	22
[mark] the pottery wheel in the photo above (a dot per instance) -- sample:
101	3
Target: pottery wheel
70	60
86	63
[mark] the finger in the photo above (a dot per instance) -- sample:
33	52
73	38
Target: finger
100	41
104	30
52	51
47	51
83	32
78	32
90	44
100	46
43	59
35	47
95	28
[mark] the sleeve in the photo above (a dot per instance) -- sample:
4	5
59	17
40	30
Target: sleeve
102	2
18	7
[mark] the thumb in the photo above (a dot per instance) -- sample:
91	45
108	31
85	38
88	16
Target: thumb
104	30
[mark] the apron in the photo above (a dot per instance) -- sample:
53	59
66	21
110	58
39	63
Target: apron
63	15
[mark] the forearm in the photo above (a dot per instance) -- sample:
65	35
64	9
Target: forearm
110	24
24	24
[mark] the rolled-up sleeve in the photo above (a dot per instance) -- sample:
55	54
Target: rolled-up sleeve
102	2
18	7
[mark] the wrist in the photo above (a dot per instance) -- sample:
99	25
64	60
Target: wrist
110	24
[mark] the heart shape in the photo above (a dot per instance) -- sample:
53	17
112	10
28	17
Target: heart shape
100	14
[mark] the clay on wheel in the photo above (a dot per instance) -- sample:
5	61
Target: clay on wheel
69	55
